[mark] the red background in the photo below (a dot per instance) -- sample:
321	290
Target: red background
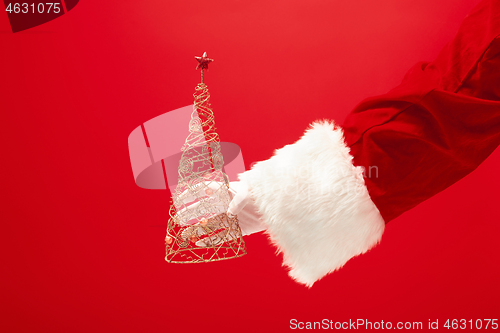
82	245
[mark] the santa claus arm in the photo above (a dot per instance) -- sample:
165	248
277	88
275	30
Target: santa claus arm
314	203
318	208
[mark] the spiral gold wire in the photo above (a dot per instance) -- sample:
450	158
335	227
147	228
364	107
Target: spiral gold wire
199	230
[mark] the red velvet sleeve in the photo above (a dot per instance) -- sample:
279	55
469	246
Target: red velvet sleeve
438	125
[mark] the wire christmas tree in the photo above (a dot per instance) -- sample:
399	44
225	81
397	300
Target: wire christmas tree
199	229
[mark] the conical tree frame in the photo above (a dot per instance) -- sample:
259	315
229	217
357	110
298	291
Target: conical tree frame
199	229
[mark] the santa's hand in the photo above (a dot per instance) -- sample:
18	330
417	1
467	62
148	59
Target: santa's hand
242	205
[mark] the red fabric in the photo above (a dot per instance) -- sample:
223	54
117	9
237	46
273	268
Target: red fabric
438	125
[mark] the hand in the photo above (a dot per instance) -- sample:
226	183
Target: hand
242	205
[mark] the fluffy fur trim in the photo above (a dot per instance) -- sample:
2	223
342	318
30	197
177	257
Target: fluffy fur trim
315	204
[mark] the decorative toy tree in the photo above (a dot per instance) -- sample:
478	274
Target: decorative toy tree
199	229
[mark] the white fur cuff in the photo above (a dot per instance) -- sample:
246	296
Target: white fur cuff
315	204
